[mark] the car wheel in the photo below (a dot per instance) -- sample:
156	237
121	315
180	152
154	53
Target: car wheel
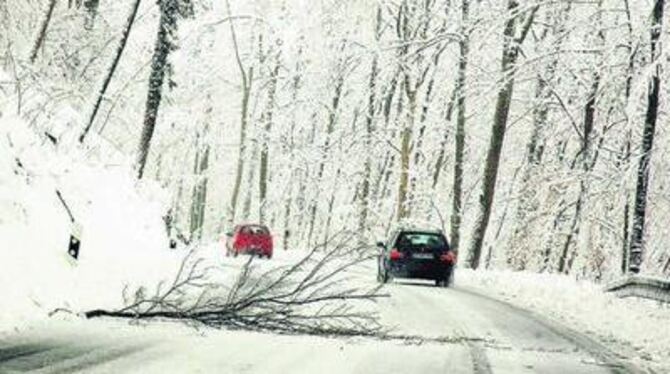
446	281
386	277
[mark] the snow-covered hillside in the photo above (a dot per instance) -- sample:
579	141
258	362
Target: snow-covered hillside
123	237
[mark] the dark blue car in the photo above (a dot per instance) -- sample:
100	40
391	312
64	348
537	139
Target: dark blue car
417	254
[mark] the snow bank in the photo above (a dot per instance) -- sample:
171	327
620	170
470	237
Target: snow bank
636	329
123	237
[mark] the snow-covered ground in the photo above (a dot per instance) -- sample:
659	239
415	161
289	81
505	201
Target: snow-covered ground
638	329
123	240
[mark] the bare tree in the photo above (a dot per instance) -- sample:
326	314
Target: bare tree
199	196
457	200
43	30
110	73
170	11
512	42
585	153
364	196
268	119
342	69
636	250
247	78
414	74
526	211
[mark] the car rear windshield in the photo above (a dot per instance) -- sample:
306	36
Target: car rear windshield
254	230
421	240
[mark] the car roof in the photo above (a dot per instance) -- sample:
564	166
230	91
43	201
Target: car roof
243	225
419	230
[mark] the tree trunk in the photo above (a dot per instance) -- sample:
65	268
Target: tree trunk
636	250
246	76
402	210
251	158
442	157
110	73
43	30
168	17
627	147
199	200
364	196
263	180
331	203
291	149
456	206
564	263
509	57
332	118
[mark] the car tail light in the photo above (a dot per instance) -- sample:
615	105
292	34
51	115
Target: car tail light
396	255
449	257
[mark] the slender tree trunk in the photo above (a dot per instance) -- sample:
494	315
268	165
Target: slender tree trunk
168	17
331	204
510	54
263	180
367	169
405	155
627	147
636	250
417	159
332	118
442	157
199	194
383	165
251	158
457	199
564	262
110	73
364	195
247	77
295	179
242	150
43	30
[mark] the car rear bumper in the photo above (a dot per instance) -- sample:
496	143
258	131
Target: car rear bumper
414	269
254	251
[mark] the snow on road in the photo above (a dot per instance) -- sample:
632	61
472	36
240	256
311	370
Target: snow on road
461	332
634	328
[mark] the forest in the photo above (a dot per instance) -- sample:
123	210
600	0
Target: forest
531	131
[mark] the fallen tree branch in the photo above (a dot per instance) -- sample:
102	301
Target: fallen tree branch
314	296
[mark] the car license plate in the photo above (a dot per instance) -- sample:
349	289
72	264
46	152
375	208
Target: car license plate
423	256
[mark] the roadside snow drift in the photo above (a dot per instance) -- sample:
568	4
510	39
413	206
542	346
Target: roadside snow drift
123	237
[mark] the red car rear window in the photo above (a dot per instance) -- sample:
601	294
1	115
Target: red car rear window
254	230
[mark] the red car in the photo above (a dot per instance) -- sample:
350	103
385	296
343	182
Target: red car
249	239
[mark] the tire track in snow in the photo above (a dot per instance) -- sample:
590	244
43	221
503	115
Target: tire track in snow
61	357
480	363
425	299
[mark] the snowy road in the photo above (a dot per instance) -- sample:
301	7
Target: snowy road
461	331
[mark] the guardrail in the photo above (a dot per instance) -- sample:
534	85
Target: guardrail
642	287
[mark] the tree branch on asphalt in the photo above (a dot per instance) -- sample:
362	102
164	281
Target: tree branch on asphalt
315	295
